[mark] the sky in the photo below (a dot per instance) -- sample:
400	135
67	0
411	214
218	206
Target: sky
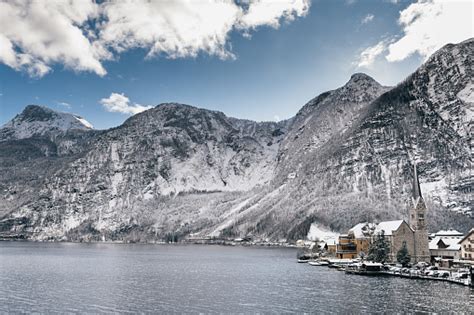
259	60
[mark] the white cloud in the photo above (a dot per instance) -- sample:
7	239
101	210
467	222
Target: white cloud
427	26
367	19
119	103
271	12
35	35
367	56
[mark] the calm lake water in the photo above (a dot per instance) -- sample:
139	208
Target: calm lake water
111	278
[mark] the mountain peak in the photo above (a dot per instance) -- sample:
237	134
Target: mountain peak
361	78
36	113
39	120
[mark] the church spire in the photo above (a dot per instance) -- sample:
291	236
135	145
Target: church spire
416	185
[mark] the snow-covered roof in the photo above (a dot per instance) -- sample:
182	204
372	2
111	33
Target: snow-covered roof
388	226
358	229
448	233
452	244
467	235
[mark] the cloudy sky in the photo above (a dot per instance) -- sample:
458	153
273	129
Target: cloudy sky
259	60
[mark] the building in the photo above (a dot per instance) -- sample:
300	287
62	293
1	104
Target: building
356	243
421	251
397	232
444	251
361	234
346	247
467	246
445	247
414	234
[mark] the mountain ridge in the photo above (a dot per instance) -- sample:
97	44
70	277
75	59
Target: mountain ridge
345	156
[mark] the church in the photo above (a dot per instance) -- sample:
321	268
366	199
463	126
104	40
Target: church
414	233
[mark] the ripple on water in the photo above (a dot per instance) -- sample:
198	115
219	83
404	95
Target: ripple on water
108	278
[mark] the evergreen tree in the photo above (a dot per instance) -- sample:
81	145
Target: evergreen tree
402	256
379	248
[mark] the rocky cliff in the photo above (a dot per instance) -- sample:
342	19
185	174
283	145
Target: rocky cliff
178	170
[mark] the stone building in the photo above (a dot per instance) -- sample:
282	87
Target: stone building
421	252
397	232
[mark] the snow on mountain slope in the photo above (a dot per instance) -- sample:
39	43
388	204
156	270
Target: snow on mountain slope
170	150
346	157
38	120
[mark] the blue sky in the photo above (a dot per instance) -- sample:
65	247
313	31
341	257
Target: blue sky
274	71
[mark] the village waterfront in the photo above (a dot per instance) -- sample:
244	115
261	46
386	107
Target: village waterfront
131	278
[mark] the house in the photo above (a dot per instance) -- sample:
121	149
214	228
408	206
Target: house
361	234
346	247
467	246
444	251
397	232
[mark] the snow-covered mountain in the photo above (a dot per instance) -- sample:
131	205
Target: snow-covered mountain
38	120
346	157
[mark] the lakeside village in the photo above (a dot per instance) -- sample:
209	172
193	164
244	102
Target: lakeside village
396	248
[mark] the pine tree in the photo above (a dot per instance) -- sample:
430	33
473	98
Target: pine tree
402	255
379	248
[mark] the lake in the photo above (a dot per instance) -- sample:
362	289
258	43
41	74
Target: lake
121	278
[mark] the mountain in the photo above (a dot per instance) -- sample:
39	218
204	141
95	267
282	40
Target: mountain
38	120
346	157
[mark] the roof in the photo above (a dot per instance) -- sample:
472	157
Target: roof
388	226
448	233
451	243
466	236
358	229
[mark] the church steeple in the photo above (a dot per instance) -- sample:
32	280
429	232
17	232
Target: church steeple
418	221
416	186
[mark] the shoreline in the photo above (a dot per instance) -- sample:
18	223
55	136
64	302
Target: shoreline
188	242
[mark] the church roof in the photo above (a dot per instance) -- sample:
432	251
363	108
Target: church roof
388	226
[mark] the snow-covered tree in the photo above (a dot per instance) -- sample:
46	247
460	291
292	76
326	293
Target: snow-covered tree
403	257
379	248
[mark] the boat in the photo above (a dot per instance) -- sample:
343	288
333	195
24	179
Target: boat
336	263
318	263
303	261
365	268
